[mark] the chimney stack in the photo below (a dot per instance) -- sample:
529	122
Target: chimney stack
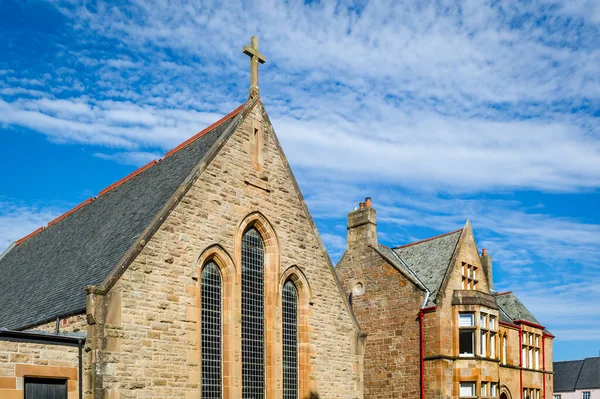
362	226
486	263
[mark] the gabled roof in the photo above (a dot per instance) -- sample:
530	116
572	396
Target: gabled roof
429	259
43	276
514	308
577	374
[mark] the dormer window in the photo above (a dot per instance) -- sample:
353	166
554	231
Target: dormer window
469	276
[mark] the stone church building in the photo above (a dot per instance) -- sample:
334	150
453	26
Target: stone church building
202	275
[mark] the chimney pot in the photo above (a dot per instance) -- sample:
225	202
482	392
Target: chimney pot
368	202
361	205
484	252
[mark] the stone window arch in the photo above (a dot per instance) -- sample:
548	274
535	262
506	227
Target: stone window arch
256	224
293	275
214	261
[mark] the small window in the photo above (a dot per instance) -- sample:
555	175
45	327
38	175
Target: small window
484	389
466	334
556	396
465	320
492	323
494	390
504	349
467	389
482	343
467	344
585	395
493	345
469	277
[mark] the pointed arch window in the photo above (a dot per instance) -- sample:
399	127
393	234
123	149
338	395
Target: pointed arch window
253	318
290	340
212	351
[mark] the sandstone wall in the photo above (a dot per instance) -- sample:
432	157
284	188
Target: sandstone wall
19	360
386	306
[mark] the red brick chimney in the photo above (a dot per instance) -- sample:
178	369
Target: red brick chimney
362	226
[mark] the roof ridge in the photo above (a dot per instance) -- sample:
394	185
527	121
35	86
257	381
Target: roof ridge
133	174
427	239
504	293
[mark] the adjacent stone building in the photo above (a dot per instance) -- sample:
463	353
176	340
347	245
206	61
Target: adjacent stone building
435	327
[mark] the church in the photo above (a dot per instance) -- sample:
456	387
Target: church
202	275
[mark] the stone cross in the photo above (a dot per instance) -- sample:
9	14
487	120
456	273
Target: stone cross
255	58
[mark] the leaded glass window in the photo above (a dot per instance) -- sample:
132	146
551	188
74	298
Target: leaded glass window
211	332
290	341
253	342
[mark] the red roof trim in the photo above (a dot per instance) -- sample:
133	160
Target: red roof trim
64	215
29	235
128	177
427	239
509	325
548	335
135	173
203	132
504	293
530	324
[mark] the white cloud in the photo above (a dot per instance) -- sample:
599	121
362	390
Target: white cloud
130	158
17	221
458	96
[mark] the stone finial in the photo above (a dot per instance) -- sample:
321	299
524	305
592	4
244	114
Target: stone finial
255	58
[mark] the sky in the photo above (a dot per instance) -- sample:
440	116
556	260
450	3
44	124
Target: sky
441	111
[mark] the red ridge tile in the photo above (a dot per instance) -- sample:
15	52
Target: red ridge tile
29	235
203	132
427	239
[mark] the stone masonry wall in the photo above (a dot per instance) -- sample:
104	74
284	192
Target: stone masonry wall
386	306
19	360
152	338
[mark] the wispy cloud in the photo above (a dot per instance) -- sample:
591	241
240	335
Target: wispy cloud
429	107
459	96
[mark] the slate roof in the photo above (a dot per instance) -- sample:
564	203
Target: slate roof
514	308
589	377
429	259
566	375
577	374
43	277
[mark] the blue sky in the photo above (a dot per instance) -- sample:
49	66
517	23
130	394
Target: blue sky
440	111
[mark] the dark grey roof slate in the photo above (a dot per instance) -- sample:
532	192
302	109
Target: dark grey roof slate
566	375
44	276
589	378
514	308
429	260
395	260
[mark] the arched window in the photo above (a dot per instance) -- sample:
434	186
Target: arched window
290	341
504	349
212	353
253	318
